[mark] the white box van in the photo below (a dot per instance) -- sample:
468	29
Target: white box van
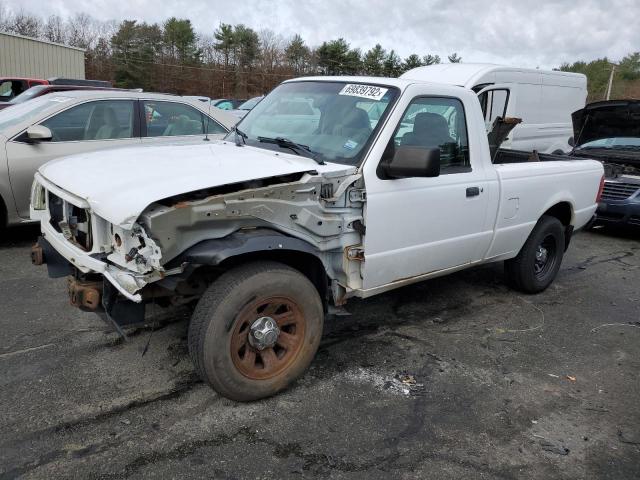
543	99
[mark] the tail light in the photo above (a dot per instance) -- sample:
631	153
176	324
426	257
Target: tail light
600	189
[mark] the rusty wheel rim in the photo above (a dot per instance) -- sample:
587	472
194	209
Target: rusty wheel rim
271	361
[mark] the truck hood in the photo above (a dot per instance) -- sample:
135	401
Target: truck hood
608	119
120	184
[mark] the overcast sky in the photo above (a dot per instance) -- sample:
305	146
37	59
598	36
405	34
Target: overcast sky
526	33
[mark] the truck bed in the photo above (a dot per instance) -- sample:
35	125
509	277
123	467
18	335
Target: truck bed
505	155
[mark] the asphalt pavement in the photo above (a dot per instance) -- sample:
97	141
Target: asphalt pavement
457	377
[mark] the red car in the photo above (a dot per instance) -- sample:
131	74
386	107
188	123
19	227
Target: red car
12	87
39	90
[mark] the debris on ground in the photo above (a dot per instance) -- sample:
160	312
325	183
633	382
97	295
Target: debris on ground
571	378
407	379
401	383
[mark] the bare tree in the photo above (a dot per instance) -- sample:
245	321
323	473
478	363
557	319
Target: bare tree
54	29
5	18
81	31
26	24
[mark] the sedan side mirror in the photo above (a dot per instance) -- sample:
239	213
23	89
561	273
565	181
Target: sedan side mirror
410	161
39	133
571	142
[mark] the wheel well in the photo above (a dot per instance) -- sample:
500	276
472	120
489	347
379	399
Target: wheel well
562	211
307	264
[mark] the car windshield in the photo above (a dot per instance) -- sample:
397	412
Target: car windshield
27	95
23	111
249	104
333	121
617	143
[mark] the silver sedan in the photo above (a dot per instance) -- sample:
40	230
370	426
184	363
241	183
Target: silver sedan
62	124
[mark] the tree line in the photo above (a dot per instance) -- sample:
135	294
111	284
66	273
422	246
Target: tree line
626	76
234	60
238	61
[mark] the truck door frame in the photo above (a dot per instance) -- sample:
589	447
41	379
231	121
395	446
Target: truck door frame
394	248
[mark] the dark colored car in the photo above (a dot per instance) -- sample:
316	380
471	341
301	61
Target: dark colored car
609	131
40	90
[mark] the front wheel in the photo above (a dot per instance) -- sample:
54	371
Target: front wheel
255	330
539	260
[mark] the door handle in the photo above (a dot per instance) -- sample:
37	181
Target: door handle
473	191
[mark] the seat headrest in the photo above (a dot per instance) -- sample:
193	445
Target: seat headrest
430	123
110	117
357	118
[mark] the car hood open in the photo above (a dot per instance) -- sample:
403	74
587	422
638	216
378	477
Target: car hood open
120	184
608	119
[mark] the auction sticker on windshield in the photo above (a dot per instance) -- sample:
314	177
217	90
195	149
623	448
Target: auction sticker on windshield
363	91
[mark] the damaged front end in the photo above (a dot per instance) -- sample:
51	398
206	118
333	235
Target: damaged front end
178	245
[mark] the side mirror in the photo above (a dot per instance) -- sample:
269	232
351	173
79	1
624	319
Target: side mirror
410	161
39	133
571	142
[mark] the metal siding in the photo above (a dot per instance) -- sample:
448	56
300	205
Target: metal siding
24	57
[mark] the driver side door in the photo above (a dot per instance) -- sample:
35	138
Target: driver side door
87	127
416	226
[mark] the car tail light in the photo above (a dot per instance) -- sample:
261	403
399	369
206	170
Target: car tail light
600	189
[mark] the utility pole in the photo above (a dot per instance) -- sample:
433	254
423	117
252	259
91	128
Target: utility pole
613	69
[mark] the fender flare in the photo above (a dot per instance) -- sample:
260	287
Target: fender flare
215	251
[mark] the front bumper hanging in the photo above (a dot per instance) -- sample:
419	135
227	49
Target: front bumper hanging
95	294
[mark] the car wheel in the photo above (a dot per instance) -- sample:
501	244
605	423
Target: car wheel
539	260
255	330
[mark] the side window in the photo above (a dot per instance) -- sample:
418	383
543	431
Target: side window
170	119
12	88
433	122
5	90
100	120
494	104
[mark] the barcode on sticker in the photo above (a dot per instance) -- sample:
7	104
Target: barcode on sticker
364	91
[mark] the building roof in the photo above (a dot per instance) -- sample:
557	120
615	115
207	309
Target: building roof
41	41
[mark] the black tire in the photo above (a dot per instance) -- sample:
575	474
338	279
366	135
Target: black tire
3	215
224	309
527	272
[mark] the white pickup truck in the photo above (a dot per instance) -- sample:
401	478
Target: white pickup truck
330	188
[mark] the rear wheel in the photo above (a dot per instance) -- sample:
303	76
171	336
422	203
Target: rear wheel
539	260
255	330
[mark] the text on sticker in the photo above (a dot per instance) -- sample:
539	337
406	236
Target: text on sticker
364	91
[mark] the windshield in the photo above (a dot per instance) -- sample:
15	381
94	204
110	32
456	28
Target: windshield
249	104
18	113
333	120
27	95
618	143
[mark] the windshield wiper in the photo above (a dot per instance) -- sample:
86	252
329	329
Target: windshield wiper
240	134
291	145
